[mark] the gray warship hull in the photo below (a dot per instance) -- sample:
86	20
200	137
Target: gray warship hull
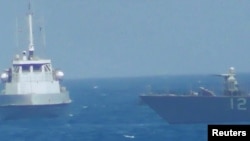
176	109
19	106
34	99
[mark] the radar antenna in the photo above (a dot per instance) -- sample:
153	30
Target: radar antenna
31	40
231	84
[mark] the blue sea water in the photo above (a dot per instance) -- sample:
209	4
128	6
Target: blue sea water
110	110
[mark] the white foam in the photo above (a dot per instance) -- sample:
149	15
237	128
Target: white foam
129	136
84	107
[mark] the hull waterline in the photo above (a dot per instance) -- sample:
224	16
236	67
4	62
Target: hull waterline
200	109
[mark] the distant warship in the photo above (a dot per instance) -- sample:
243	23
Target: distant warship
233	106
31	82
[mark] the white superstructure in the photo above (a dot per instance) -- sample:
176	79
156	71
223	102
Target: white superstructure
231	84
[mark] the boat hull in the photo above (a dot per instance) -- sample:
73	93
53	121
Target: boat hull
34	99
33	105
200	109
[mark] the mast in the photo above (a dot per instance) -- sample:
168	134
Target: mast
31	40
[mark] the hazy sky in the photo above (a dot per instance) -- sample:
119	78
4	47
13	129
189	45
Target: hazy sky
110	38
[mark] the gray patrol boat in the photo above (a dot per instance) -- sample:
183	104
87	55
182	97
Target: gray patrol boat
31	85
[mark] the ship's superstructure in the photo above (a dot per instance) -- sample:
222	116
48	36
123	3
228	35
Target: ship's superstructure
32	80
231	87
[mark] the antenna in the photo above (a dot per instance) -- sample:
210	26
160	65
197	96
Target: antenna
31	40
17	33
43	32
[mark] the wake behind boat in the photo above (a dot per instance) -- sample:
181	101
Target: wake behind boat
31	84
203	106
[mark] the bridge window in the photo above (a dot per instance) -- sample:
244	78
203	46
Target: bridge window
16	69
25	68
47	68
37	67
